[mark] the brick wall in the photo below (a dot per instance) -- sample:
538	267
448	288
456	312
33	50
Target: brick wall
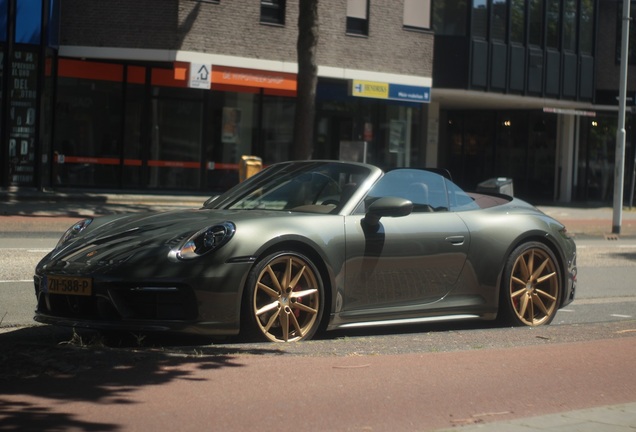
232	27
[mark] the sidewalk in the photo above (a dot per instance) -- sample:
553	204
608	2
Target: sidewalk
613	418
581	221
593	221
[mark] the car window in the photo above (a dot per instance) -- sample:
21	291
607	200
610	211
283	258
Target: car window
426	190
459	200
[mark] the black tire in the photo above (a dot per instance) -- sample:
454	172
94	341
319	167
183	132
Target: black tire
284	298
531	286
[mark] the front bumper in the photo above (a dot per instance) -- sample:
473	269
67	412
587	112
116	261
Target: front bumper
142	307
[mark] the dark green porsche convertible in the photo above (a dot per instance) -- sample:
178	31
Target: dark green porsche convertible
311	245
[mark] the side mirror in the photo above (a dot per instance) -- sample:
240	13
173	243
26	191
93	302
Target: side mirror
387	206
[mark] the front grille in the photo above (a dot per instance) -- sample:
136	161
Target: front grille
123	303
154	303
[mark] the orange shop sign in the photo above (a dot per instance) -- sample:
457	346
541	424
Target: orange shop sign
253	78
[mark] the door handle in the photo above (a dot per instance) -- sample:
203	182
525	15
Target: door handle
456	240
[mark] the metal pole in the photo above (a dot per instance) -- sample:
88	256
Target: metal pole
633	174
619	165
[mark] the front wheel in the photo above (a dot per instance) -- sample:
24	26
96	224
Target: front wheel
531	287
284	298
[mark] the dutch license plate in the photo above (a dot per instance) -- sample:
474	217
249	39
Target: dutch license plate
69	285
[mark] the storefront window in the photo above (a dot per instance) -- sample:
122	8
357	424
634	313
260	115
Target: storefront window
133	131
278	128
402	130
46	119
518	144
596	159
175	149
23	104
542	133
511	147
471	149
87	132
232	131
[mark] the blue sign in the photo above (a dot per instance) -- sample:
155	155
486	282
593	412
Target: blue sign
409	93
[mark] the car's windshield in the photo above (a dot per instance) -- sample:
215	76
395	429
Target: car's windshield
322	187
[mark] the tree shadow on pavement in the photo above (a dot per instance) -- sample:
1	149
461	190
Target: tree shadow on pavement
42	367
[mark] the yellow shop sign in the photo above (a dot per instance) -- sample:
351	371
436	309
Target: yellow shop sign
371	89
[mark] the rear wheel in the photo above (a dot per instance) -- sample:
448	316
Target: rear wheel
531	287
284	298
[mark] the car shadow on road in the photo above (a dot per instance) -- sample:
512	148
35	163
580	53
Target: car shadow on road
629	256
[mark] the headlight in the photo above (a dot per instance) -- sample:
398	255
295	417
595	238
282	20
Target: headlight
206	240
73	231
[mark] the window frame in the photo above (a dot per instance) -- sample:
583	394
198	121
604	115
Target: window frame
273	12
357	25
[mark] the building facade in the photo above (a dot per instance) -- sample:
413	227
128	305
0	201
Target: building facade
169	95
512	92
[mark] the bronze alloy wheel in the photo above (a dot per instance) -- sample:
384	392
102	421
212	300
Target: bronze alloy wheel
286	297
534	285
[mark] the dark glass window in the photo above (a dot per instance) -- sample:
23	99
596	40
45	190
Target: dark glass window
28	25
569	25
554	12
535	35
498	23
619	34
480	19
358	17
449	17
517	21
587	27
175	143
87	132
4	13
273	11
133	127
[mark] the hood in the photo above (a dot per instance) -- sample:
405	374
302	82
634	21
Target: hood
116	238
166	225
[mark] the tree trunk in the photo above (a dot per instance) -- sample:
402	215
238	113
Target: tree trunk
302	146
